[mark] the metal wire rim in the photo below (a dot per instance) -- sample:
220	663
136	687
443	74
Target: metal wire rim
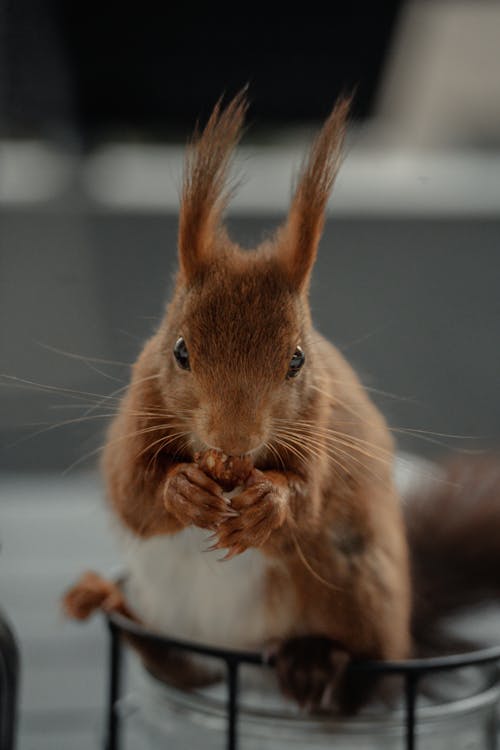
405	666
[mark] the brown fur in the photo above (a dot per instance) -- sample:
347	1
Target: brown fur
453	532
332	518
93	592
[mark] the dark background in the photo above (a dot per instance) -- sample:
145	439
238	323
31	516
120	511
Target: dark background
155	68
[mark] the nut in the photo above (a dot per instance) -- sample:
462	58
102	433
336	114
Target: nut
228	471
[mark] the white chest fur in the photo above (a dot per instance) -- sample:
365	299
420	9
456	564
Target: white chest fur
181	590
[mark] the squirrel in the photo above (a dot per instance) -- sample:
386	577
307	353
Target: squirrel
243	421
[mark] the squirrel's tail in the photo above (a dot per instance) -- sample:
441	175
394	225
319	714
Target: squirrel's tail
453	527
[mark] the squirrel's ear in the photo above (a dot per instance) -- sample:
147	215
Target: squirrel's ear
204	191
299	238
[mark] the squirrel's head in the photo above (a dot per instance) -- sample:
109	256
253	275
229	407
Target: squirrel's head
236	343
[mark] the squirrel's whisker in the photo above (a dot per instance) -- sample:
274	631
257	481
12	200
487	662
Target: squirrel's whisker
118	391
346	440
331	449
93	452
288	441
272	449
73	355
166	442
304	425
165	439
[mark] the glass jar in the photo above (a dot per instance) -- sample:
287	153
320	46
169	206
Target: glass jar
455	710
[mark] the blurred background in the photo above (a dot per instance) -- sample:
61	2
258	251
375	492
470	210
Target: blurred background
96	104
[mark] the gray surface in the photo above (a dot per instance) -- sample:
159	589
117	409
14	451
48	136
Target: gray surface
51	529
413	303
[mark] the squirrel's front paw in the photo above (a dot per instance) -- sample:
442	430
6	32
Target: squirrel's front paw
261	508
310	670
195	499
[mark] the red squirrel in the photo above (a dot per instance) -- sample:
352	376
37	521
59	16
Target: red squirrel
313	537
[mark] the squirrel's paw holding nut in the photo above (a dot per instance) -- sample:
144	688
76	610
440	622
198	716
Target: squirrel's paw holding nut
194	498
261	508
310	670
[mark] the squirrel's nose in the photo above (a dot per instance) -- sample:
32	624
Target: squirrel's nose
233	431
234	444
237	447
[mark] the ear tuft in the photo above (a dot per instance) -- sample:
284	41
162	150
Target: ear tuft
205	193
299	238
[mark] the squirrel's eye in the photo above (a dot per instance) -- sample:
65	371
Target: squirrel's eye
296	363
181	353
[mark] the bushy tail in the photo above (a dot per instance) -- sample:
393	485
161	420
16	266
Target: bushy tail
454	537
